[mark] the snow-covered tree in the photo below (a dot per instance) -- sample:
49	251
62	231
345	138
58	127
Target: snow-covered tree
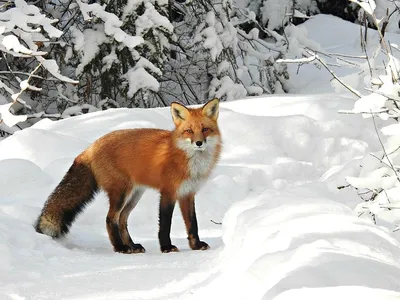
146	53
118	50
214	56
24	32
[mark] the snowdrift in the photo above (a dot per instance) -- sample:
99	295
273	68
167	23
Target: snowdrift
287	231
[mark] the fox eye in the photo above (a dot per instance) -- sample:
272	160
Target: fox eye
190	131
205	129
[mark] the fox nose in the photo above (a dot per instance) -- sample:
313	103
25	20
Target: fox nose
199	143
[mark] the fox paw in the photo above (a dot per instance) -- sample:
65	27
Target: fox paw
169	248
199	245
135	248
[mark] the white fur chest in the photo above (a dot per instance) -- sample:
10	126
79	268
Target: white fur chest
200	165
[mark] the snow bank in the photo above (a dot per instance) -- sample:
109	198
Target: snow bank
305	243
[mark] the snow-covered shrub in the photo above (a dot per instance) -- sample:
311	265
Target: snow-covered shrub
379	180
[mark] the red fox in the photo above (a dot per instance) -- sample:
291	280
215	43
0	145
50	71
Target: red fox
124	163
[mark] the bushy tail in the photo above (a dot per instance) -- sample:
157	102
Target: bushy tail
69	198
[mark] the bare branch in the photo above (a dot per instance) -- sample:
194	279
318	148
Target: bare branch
16	97
355	92
350	112
384	150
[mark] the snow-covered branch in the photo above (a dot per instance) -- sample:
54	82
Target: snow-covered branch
380	176
6	116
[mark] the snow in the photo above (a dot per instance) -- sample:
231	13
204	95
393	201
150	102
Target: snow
111	24
138	78
109	60
368	6
393	129
151	19
24	21
217	36
11	42
88	44
226	87
52	67
211	40
287	231
7	117
276	11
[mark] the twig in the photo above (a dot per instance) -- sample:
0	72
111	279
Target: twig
365	192
218	223
373	217
334	75
348	62
284	32
9	68
27	74
348	55
349	112
383	148
44	115
369	63
16	97
29	78
389	207
343	186
380	160
394	150
387	198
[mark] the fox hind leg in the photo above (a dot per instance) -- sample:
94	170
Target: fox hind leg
117	196
130	204
112	221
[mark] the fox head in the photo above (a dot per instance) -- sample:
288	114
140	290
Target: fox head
196	128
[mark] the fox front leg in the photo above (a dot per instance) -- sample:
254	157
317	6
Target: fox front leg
189	216
165	218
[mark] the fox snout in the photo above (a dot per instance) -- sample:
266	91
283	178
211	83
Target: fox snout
193	144
200	145
207	143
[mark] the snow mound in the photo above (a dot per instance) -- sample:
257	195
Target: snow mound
298	240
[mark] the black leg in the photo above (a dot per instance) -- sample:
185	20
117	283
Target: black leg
165	218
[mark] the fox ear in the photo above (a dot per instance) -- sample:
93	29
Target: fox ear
211	109
179	113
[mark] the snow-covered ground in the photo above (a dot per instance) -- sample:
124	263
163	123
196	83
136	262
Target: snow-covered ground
287	232
285	225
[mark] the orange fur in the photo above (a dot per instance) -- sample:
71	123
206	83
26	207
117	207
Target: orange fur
125	162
